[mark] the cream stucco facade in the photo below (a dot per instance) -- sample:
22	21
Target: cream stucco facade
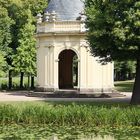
53	37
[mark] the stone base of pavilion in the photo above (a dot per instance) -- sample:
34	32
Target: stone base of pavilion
75	90
75	93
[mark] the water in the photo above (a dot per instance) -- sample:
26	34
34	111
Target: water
45	132
92	137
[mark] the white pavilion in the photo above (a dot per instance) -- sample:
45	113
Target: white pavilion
64	60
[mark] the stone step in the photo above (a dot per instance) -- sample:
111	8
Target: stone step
73	94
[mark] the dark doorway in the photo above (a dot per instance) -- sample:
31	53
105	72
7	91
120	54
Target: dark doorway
68	69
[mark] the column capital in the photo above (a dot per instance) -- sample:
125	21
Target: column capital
49	46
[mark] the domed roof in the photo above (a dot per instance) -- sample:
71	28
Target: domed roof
66	9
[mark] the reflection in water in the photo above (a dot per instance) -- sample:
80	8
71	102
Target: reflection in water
98	138
54	137
93	137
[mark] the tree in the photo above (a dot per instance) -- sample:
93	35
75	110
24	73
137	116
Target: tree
12	7
3	64
26	18
5	25
36	7
17	11
114	33
25	57
25	23
124	70
5	38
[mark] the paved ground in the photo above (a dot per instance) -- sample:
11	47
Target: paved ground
23	96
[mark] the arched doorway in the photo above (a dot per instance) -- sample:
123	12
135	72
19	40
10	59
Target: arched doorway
68	69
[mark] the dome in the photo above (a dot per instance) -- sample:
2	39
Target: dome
66	9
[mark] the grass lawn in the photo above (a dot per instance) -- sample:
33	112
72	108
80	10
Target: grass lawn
15	83
124	86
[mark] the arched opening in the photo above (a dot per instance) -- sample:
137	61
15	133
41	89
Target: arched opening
68	70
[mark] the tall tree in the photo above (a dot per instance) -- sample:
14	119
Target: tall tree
124	70
12	7
25	57
5	29
3	64
5	38
114	33
26	17
18	12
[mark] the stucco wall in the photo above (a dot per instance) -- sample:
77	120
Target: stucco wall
92	76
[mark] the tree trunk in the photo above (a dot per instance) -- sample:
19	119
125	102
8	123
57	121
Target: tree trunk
32	82
10	79
136	90
28	81
21	79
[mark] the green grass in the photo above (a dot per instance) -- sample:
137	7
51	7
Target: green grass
15	83
79	114
124	86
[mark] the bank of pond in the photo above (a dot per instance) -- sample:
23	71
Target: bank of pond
69	121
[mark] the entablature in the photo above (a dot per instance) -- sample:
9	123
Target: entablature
60	27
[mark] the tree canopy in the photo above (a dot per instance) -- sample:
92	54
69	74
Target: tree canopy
25	57
5	38
114	33
17	28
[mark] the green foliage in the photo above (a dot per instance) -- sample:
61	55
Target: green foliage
13	8
71	114
124	70
25	57
35	6
5	25
3	64
113	29
17	28
18	12
41	120
5	38
114	33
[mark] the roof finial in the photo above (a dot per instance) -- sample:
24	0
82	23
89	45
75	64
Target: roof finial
39	18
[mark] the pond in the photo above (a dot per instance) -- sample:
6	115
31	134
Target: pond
46	132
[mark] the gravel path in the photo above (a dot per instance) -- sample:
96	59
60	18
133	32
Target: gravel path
23	96
16	96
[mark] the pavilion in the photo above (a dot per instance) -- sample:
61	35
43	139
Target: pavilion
64	60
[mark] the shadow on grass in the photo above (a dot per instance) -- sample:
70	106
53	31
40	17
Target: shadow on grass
61	104
94	104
